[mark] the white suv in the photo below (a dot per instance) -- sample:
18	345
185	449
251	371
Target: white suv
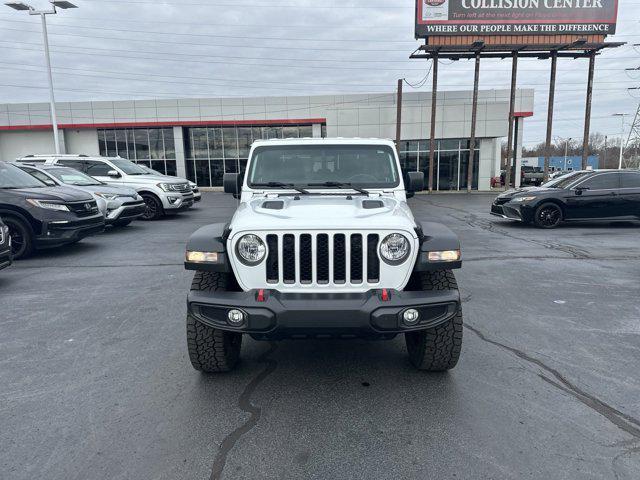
162	195
323	244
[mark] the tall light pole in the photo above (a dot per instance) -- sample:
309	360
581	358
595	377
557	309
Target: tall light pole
621	115
43	16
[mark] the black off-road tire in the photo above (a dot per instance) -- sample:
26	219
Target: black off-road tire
436	349
212	350
22	237
154	208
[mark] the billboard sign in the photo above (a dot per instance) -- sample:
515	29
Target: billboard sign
515	17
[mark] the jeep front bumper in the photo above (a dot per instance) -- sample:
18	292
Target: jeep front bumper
273	315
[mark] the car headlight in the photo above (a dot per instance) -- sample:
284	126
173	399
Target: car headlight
48	205
107	196
165	187
395	248
251	249
523	199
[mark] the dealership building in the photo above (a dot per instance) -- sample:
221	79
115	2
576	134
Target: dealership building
201	139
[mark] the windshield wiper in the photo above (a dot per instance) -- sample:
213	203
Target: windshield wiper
338	185
281	185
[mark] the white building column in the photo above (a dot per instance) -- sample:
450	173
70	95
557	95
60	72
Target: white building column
316	130
178	140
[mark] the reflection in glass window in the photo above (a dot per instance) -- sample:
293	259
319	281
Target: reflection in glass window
215	143
141	138
290	132
110	140
156	147
169	143
230	142
244	141
228	148
306	131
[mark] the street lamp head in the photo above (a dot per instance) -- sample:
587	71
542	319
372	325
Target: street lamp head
18	6
62	4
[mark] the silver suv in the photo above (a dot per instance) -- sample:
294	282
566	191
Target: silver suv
119	205
162	195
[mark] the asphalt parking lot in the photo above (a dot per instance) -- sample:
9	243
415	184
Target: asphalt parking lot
96	383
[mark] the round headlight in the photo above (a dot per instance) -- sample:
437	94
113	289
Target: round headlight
394	249
251	249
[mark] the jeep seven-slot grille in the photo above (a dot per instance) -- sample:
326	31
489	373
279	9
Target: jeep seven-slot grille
323	258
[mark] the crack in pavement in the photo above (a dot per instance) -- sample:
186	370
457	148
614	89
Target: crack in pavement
620	419
474	221
244	403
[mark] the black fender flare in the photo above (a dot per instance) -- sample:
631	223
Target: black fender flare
435	237
212	239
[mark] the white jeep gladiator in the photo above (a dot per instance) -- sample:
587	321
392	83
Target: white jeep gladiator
323	245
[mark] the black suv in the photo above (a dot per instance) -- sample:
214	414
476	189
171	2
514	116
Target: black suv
5	246
582	195
41	217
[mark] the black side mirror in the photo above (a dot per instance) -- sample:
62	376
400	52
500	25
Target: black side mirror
231	183
414	182
579	190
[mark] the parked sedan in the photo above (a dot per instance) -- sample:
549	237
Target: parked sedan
119	205
39	216
5	246
581	195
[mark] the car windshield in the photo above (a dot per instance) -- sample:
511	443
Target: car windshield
151	171
12	177
73	177
128	167
363	166
565	180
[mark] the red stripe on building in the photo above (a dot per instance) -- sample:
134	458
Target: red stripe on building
195	123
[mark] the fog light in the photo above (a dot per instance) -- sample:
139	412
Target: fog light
445	256
173	200
202	257
411	316
235	317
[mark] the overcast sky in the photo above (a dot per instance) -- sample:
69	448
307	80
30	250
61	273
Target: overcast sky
140	49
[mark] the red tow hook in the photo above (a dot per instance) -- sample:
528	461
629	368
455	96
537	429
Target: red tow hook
385	297
261	297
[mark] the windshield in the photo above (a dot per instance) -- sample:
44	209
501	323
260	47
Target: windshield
565	180
128	167
364	166
12	177
73	177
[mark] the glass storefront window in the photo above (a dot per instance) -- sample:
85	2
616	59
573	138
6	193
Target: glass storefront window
228	148
451	162
230	142
153	147
215	143
156	147
141	138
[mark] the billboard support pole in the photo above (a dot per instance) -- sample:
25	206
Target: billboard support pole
587	113
399	114
434	98
474	116
552	94
512	105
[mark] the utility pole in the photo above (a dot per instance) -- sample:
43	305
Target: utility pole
399	114
634	134
621	115
512	103
587	112
43	16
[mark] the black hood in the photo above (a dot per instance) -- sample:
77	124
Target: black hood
534	190
64	194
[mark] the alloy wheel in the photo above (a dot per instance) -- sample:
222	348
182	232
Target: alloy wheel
549	216
18	239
